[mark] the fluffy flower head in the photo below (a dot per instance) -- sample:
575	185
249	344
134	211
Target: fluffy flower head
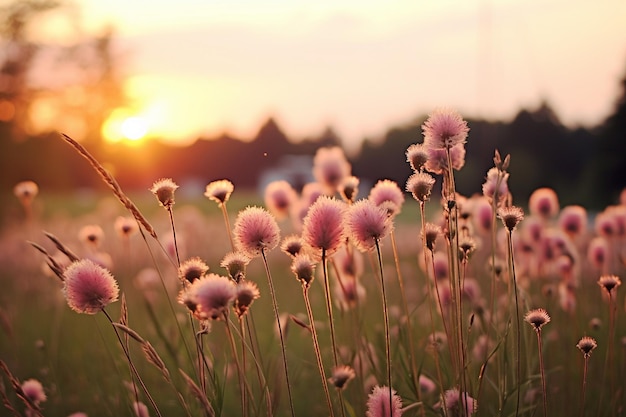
235	263
323	224
587	345
247	292
33	390
330	167
366	224
387	191
416	156
543	202
444	128
164	189
192	269
211	295
88	287
304	268
255	231
453	400
609	282
537	318
420	185
219	191
438	159
511	216
341	375
378	403
125	226
279	197
496	185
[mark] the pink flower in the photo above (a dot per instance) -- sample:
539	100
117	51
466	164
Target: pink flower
573	220
125	226
420	185
496	185
292	245
304	269
387	191
416	156
255	231
235	263
91	235
330	167
378	403
598	252
543	202
212	296
26	191
438	160
453	400
323	224
33	390
247	292
511	216
279	197
219	191
366	224
192	269
444	129
88	287
349	188
349	293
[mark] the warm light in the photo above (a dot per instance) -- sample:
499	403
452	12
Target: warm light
134	128
123	125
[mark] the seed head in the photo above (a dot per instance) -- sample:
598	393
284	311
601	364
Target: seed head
609	282
192	269
164	189
212	295
235	263
323	224
387	191
279	198
292	245
438	159
247	292
341	375
366	224
420	185
349	188
510	216
537	318
587	345
378	403
330	167
304	268
432	232
219	191
89	287
255	231
417	156
444	129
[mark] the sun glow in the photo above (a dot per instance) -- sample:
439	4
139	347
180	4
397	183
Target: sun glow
124	125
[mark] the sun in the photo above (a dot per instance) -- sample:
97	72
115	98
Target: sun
123	125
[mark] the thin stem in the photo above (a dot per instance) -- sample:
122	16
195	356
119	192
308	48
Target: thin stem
543	375
517	317
316	346
242	379
582	394
280	329
386	316
171	214
227	223
132	365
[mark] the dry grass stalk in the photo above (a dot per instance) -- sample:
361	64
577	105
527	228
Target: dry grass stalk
17	386
154	358
50	261
129	332
61	247
113	185
199	394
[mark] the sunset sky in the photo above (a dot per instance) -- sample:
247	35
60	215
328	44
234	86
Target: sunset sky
202	67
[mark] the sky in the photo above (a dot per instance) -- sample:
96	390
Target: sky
204	67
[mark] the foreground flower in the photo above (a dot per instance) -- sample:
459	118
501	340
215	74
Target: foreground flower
378	403
323	224
537	318
164	189
444	129
511	216
219	191
366	224
420	185
192	269
88	287
304	269
235	263
417	156
256	231
33	390
211	296
587	345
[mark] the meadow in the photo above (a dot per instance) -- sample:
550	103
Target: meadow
403	299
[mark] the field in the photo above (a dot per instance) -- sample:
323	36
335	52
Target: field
523	317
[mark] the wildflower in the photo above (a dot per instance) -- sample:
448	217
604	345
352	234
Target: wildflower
33	390
416	156
247	292
573	220
323	224
164	189
444	129
496	185
598	252
431	233
378	403
544	202
212	295
438	159
609	282
482	215
91	235
303	267
366	224
330	167
467	246
341	375
88	287
192	269
453	400
387	191
587	345
292	245
255	231
427	385
26	191
537	318
510	216
235	263
219	191
349	188
349	293
279	197
125	226
420	185
605	224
